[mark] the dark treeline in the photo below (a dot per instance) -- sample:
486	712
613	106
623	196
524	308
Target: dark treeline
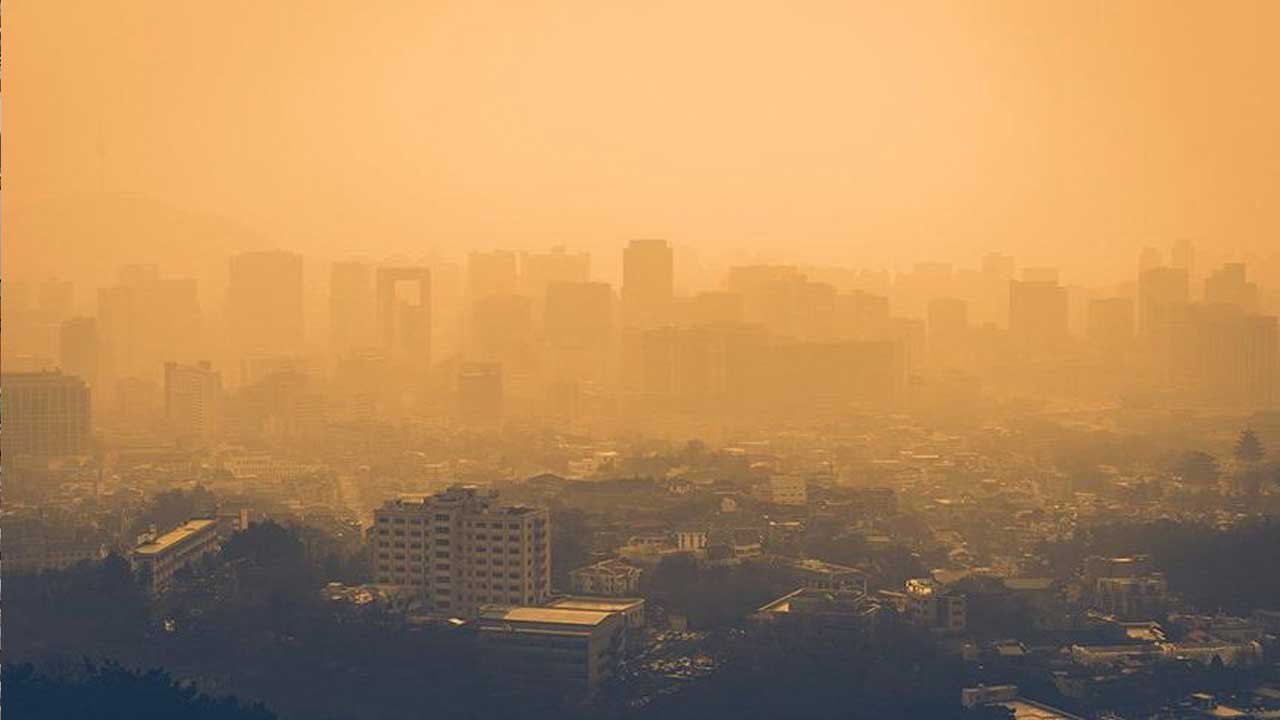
1232	569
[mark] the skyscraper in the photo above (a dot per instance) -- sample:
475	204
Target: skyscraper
351	306
78	349
264	302
192	401
648	283
404	313
1037	314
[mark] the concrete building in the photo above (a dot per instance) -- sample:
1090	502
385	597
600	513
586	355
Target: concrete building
648	282
568	651
783	490
404	314
480	393
192	401
927	604
45	414
459	550
810	611
630	608
820	575
157	558
264	302
612	577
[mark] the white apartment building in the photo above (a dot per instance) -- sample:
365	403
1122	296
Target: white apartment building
460	550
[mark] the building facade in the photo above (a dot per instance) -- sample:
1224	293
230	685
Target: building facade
45	414
459	550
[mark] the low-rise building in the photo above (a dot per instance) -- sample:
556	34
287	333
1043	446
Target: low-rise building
611	577
570	651
157	559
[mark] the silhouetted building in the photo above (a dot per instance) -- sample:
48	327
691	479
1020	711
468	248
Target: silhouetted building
1037	314
480	393
1111	323
1228	286
264	302
351	307
45	414
78	350
404	314
539	271
648	283
192	401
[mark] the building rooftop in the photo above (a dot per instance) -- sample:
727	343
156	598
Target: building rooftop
173	537
596	604
543	615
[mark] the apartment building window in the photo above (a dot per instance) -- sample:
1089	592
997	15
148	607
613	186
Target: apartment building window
442	542
442	517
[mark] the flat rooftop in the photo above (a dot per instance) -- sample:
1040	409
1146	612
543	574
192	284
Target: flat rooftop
596	604
173	537
544	615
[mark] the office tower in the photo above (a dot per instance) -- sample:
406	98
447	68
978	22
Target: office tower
771	296
992	305
579	330
862	316
1228	286
46	414
78	350
264	302
1111	322
1037	314
1183	256
1162	307
648	283
948	325
491	273
145	320
1230	358
192	401
32	328
459	550
538	271
715	308
351	307
1149	259
502	332
912	290
1042	274
404	313
480	393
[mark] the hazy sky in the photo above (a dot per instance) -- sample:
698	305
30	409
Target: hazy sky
865	133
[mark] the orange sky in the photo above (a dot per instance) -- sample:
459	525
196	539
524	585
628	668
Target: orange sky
863	133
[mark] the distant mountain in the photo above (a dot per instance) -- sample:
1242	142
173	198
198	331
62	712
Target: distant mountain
85	238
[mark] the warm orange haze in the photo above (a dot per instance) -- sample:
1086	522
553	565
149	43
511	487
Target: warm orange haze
641	360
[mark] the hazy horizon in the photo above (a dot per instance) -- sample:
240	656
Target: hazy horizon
856	135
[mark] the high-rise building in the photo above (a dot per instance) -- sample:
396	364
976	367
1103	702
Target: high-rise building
502	331
538	271
1037	314
1163	294
192	401
1228	286
648	283
1111	323
78	349
264	302
578	326
351	307
1230	357
948	325
480	393
46	414
404	313
459	550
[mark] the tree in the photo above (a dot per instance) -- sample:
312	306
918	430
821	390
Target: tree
1248	447
1198	467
